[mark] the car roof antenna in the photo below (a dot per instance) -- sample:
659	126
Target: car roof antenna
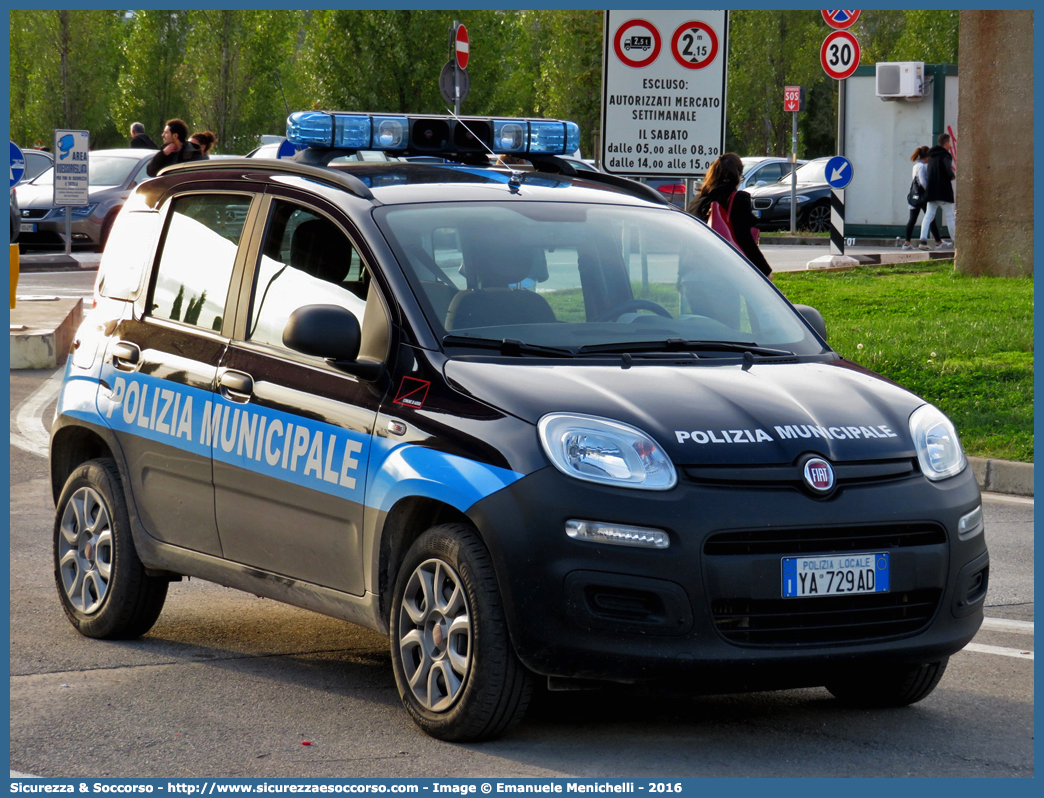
516	175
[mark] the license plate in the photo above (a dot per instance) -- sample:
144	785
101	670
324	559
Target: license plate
26	227
757	213
835	574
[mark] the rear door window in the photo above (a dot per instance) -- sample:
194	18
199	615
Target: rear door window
199	252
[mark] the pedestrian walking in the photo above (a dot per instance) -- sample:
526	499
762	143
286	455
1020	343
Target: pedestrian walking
176	148
940	189
719	187
205	140
139	139
916	198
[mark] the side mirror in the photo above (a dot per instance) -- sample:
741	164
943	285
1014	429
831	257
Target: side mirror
814	319
333	333
328	331
761	183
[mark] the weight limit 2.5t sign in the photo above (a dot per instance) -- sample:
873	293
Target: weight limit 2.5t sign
663	104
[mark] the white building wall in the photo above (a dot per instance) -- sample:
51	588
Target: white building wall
880	136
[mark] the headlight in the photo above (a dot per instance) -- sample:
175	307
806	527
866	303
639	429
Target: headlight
607	452
785	200
938	448
86	210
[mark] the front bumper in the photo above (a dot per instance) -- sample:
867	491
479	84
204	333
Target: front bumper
49	232
577	609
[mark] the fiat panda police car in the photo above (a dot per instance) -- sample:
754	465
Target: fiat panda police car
531	424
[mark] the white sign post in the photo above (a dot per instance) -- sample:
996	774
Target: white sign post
663	82
71	175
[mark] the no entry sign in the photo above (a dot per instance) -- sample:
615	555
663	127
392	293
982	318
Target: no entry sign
840	19
839	55
462	46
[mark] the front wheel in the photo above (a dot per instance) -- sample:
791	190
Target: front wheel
817	219
456	672
896	686
102	583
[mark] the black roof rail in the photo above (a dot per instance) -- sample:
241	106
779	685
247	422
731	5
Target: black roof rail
321	174
558	166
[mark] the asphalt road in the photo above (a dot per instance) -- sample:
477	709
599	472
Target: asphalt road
230	685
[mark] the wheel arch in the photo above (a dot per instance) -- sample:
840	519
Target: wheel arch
407	520
71	446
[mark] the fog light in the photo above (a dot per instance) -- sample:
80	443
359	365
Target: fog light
970	525
617	534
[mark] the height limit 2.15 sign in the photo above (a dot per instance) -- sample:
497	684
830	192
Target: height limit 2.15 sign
663	102
839	54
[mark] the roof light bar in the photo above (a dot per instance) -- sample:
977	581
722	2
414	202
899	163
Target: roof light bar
431	134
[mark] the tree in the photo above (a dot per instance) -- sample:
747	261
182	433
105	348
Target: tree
69	62
232	80
149	89
769	50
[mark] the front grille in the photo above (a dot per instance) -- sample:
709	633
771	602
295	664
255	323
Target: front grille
762	203
824	620
35	213
823	540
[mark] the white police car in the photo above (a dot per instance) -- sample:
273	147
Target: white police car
529	423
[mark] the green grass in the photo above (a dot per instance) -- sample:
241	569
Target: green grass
963	343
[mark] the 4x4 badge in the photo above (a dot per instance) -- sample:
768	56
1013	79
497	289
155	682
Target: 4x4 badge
819	475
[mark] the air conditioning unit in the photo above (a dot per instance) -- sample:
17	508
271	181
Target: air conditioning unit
900	79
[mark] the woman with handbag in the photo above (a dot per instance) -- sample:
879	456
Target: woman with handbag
917	197
727	210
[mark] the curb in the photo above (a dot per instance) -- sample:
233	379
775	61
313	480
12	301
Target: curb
40	347
50	262
1003	476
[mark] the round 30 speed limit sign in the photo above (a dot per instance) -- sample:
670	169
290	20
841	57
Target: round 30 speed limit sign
839	54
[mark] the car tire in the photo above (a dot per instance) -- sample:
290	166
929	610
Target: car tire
103	586
817	218
897	686
456	671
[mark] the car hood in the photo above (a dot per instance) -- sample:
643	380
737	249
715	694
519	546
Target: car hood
30	196
769	413
779	190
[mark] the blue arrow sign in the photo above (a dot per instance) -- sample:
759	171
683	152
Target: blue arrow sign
17	165
287	149
839	171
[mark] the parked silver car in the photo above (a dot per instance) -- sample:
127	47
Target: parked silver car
113	175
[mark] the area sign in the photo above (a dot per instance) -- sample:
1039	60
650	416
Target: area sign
70	167
839	55
839	171
17	165
840	19
663	91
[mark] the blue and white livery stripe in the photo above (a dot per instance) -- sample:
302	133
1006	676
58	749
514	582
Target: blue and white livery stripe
375	472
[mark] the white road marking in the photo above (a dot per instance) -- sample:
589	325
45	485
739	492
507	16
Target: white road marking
28	431
999	651
1006	625
1004	497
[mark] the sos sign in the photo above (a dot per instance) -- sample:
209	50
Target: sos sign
839	55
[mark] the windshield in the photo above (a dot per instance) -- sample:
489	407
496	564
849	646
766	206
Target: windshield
575	276
812	172
103	170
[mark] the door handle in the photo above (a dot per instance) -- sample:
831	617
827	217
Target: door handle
125	356
236	386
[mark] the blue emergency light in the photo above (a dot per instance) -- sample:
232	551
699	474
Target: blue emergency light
432	134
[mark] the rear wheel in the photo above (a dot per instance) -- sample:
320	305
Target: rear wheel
817	218
102	584
456	672
896	686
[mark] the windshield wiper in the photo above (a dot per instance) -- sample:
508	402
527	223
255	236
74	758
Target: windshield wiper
684	345
507	346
